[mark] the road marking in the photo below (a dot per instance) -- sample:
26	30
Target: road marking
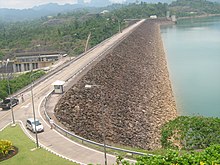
38	110
43	146
4	116
26	106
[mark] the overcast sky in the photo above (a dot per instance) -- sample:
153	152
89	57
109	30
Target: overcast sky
23	4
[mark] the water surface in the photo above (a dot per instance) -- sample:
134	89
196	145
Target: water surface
193	53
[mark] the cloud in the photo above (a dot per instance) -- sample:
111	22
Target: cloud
24	4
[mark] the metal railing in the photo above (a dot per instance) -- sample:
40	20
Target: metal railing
71	134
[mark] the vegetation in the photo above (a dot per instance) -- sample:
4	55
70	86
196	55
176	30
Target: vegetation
61	33
210	156
183	8
142	10
26	154
189	133
196	140
68	32
5	148
18	82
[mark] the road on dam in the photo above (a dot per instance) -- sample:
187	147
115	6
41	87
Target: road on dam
50	139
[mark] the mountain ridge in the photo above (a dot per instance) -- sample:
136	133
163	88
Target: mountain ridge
52	9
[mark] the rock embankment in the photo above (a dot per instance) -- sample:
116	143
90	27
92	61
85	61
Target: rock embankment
134	97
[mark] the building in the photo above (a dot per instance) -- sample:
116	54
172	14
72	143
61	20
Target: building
173	18
104	12
153	17
30	61
3	68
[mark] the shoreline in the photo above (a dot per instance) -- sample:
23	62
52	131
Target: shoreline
198	16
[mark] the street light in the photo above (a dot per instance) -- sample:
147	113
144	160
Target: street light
103	123
9	93
32	97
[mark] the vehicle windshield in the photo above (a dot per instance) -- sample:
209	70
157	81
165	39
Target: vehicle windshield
37	122
6	101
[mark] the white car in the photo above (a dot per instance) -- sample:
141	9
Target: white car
30	124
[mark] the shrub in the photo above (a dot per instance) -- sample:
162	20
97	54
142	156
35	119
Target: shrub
191	132
5	147
18	82
210	156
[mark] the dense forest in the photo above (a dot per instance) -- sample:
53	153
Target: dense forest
68	32
184	8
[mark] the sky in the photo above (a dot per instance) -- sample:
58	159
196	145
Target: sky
24	4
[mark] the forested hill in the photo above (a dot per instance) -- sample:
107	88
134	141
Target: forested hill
54	9
194	7
68	32
13	15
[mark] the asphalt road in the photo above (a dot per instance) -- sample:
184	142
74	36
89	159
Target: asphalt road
50	139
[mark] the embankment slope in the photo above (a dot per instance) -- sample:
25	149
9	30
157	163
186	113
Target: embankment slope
135	97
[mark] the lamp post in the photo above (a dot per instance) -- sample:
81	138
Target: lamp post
9	93
103	122
32	98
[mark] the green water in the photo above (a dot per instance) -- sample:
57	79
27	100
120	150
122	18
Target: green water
193	53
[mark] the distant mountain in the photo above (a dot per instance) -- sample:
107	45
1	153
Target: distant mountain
37	11
16	15
149	1
162	1
53	9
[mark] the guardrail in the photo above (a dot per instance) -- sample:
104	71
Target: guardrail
67	133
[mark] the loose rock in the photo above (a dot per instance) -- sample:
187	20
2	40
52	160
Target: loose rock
135	98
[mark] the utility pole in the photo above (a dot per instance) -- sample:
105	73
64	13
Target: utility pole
87	41
32	98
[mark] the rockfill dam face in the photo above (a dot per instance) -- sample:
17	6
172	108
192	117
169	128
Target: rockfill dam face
134	97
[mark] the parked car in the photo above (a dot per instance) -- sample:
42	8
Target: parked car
7	103
30	124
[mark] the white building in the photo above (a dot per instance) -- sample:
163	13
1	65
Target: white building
153	17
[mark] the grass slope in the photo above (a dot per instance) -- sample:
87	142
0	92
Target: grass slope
25	156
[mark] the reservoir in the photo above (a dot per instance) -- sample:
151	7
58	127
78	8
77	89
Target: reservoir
193	54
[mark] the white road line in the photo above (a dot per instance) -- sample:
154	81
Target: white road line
26	106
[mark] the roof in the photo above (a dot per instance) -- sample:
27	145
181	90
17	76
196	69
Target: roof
58	82
36	53
32	119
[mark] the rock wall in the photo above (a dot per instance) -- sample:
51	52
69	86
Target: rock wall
134	98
